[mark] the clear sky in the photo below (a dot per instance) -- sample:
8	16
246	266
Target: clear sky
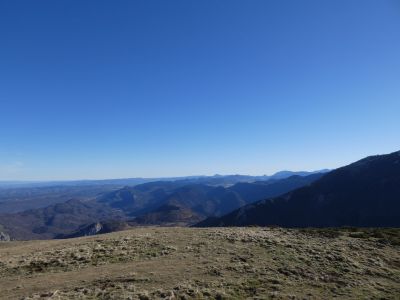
110	89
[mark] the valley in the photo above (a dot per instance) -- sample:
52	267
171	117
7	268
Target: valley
165	203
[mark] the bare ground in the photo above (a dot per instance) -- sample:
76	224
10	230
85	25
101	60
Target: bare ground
217	263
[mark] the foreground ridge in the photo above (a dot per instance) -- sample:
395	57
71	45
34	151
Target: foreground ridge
221	263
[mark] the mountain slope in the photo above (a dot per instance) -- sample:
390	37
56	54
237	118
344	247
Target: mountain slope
194	202
251	192
57	219
169	215
96	228
18	199
365	193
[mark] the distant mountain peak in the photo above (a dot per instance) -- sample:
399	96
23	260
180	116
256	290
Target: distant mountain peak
286	173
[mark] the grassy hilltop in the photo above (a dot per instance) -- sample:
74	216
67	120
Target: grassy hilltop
194	263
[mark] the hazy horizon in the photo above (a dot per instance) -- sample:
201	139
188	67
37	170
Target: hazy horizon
172	175
100	90
162	177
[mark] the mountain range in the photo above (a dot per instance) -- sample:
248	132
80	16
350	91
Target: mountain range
213	180
154	203
364	194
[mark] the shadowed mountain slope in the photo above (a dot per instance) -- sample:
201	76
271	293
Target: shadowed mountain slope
194	202
169	215
365	193
96	228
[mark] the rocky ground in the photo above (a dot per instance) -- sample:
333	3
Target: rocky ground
217	263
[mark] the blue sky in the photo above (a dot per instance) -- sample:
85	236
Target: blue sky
109	89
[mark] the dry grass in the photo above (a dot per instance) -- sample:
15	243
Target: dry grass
220	263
